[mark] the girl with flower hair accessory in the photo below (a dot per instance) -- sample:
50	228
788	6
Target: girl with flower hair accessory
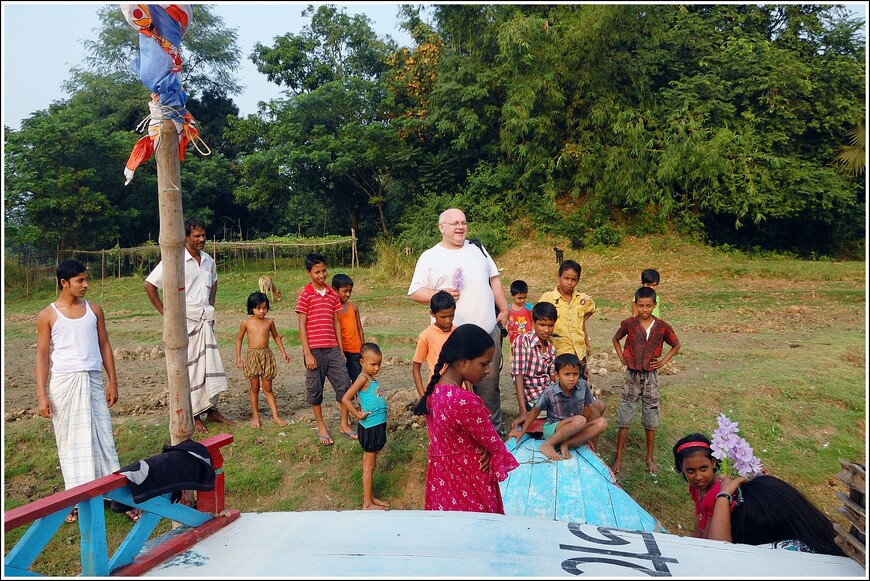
693	458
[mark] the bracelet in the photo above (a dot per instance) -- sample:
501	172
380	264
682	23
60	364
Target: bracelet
725	495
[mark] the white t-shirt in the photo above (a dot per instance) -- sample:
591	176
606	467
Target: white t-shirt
198	280
439	268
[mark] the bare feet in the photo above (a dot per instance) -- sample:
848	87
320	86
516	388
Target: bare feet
279	421
255	423
215	416
550	452
198	426
564	450
617	464
376	504
652	466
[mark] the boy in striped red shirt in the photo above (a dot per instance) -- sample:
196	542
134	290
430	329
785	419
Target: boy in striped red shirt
320	335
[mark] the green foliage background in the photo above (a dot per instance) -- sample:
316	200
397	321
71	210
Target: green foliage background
732	124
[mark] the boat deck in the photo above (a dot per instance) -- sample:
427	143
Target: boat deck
581	489
416	543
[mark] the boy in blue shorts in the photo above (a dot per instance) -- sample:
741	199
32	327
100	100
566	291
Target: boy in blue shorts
569	406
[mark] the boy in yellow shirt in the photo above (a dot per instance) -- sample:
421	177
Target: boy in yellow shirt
574	308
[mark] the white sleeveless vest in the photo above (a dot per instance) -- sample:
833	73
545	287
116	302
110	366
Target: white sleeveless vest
76	343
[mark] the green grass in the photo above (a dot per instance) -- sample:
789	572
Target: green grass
777	344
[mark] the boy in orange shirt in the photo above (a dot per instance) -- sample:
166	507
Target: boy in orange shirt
442	307
352	335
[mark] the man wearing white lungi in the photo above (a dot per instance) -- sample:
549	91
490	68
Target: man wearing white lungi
204	367
75	399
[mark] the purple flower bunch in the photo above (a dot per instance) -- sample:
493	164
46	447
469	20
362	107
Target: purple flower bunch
727	445
458	279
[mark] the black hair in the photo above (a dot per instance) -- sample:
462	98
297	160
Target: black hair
440	301
255	300
566	359
340	281
570	265
645	292
703	445
519	287
544	310
370	348
467	341
649	276
68	269
192	223
313	259
773	510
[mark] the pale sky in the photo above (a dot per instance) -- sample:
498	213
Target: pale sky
42	42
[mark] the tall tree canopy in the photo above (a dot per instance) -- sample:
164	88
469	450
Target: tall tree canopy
736	123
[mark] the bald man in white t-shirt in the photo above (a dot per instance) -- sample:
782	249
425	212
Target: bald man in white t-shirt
467	272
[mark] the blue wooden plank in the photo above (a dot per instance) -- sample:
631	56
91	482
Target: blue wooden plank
135	540
570	504
515	488
94	548
542	487
161	505
628	513
596	493
32	542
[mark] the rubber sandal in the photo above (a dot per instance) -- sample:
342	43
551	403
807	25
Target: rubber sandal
326	440
73	516
133	514
350	435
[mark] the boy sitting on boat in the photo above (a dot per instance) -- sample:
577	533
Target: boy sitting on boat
572	418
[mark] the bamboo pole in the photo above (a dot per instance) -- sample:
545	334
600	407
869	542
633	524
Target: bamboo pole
171	241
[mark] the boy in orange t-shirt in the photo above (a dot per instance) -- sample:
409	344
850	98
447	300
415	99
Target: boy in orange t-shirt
442	307
352	335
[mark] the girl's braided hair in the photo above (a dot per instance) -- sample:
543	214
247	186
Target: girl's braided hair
467	341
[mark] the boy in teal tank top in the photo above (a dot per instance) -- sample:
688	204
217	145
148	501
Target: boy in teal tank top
372	417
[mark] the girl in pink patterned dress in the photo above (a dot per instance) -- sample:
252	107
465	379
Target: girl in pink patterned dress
467	458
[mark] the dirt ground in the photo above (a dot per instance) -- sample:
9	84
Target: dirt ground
142	382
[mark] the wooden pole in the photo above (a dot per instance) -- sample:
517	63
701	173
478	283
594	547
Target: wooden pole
171	241
274	262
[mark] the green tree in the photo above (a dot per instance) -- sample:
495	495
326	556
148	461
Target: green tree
332	139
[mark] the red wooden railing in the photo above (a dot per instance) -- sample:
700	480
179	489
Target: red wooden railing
47	515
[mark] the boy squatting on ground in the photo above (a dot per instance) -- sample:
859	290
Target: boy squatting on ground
643	347
567	403
320	335
442	307
372	417
350	322
258	363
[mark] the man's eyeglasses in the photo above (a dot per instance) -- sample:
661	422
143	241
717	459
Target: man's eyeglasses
455	224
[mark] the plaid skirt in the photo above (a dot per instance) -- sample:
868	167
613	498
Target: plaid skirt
259	363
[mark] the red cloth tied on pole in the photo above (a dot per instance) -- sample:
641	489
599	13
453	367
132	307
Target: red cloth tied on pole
161	28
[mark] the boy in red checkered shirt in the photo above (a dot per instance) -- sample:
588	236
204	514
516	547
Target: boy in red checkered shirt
532	360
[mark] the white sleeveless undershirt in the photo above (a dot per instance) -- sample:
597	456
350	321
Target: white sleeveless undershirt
76	343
